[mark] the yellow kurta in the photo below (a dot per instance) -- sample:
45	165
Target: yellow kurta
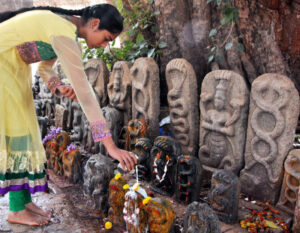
22	155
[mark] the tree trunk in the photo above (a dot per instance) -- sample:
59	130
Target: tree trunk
268	29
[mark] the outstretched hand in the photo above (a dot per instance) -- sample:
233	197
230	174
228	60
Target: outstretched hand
67	91
127	159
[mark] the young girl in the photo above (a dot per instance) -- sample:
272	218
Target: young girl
41	35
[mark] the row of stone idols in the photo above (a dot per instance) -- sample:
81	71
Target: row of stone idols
248	134
129	205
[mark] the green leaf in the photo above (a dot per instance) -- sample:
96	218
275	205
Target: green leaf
212	32
272	225
218	2
209	1
162	45
240	47
154	29
213	49
151	52
150	1
211	57
139	38
228	45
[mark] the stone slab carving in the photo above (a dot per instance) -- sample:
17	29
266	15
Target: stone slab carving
188	183
161	215
61	115
183	104
224	195
119	89
47	99
98	171
296	225
89	144
223	108
164	155
142	150
273	116
77	133
71	164
291	182
146	92
200	218
98	76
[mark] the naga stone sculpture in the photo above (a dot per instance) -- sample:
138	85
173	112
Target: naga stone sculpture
291	182
116	200
134	215
114	119
142	150
224	195
71	160
98	171
77	132
146	92
47	99
296	225
183	104
189	173
98	75
164	155
273	117
161	215
200	218
119	89
89	144
223	107
36	86
60	118
43	121
137	128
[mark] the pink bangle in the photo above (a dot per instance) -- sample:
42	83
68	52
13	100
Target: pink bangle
100	130
53	83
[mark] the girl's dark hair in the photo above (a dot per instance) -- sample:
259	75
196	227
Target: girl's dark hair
110	18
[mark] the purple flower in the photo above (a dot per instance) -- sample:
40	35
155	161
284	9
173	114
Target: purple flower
53	133
71	147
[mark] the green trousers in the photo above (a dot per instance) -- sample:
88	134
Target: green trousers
18	200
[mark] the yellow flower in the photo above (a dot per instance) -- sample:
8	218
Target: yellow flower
126	186
146	200
108	225
136	186
118	176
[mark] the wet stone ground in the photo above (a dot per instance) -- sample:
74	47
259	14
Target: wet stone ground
74	213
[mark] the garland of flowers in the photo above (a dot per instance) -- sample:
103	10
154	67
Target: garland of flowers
160	179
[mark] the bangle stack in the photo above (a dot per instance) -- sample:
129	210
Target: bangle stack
54	83
100	130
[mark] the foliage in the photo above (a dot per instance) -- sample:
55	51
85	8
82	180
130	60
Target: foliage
230	16
140	23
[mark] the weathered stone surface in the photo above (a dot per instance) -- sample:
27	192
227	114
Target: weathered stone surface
142	150
164	155
291	182
116	201
224	195
136	128
14	5
98	171
146	92
183	104
61	115
114	119
77	134
273	116
224	108
89	144
296	226
98	75
47	99
200	218
160	214
188	183
72	167
119	89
